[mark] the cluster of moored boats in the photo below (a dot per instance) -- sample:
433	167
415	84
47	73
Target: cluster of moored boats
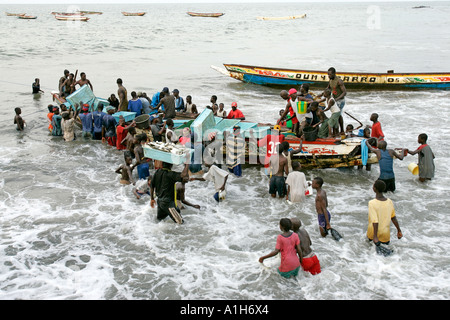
81	15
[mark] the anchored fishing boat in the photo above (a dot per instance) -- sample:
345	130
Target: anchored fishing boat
140	14
14	14
72	18
203	14
90	12
283	18
26	17
278	77
55	13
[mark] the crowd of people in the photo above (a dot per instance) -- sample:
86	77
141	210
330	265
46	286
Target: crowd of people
166	187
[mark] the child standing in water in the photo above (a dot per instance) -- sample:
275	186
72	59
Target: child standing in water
323	215
126	171
18	120
426	158
288	244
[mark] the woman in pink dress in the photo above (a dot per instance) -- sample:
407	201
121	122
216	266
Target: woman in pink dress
288	244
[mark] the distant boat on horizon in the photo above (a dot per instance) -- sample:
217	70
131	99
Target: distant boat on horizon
140	14
206	14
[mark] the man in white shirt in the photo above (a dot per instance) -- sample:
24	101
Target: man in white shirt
219	177
297	184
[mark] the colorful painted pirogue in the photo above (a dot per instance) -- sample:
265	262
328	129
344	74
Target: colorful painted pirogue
204	14
319	79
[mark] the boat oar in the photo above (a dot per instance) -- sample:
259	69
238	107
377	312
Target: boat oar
354	118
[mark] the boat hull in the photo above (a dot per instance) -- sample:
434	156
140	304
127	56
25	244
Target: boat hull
133	14
72	18
277	77
208	15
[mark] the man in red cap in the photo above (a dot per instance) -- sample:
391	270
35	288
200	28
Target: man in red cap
235	113
290	98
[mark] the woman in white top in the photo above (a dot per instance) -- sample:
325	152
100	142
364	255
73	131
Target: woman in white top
170	134
221	112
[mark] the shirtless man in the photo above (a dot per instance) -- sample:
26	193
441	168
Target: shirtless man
279	164
122	94
69	85
323	215
84	81
62	80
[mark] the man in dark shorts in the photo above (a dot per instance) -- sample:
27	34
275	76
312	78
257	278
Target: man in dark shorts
163	183
386	162
279	164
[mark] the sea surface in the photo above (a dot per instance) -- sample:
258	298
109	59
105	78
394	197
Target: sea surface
70	231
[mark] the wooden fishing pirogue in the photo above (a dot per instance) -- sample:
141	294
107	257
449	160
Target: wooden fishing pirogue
206	14
140	14
316	154
72	18
26	17
14	14
278	77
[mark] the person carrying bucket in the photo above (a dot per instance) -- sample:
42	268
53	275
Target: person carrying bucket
426	159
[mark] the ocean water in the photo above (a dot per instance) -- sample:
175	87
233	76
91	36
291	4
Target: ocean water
70	231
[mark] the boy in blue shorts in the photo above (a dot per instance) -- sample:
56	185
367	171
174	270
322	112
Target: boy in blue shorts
323	215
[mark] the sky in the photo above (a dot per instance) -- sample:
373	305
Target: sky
188	1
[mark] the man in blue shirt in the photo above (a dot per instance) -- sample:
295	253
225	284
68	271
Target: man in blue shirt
97	117
179	101
135	104
86	121
109	128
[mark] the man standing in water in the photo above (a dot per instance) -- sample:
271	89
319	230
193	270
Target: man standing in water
123	97
163	183
386	162
279	164
62	80
381	213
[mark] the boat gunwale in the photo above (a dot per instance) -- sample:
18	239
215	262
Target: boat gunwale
326	73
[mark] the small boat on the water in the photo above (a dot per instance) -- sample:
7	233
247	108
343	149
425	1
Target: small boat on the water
14	14
90	12
27	17
283	18
206	14
66	13
72	18
279	77
128	14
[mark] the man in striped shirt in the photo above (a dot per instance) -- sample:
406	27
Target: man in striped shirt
235	145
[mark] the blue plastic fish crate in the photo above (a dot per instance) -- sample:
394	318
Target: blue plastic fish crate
168	157
203	123
128	116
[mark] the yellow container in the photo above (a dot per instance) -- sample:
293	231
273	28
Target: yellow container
414	168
